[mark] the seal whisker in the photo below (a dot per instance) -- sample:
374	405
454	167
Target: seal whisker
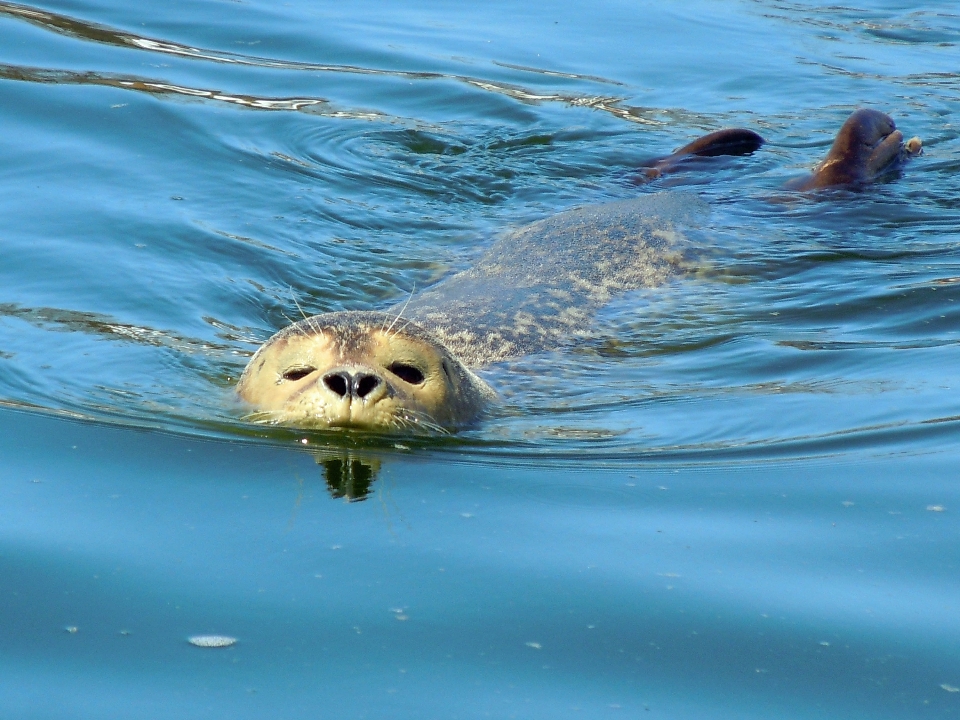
401	423
400	314
423	421
401	328
293	295
263	417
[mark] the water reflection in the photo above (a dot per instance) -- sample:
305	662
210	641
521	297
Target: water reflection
349	476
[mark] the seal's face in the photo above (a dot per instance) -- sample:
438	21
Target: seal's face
357	370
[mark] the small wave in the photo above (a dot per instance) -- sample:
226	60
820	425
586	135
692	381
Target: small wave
48	76
94	32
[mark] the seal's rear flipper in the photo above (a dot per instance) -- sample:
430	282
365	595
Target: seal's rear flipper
867	148
733	141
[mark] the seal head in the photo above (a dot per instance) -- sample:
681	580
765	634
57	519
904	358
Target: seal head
364	370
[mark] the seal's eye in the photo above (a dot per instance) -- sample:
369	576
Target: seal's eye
407	373
298	373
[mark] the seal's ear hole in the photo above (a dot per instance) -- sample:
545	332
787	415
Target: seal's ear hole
407	373
297	373
446	370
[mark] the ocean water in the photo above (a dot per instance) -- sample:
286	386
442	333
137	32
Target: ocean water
736	498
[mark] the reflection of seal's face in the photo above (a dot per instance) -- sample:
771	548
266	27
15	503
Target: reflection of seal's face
867	144
355	369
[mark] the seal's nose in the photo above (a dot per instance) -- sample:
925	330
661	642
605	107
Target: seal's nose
364	384
359	384
339	382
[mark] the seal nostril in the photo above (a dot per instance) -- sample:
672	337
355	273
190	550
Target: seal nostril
366	384
338	383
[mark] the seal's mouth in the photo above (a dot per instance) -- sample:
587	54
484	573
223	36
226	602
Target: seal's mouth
403	421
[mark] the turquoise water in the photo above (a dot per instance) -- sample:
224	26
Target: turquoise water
737	498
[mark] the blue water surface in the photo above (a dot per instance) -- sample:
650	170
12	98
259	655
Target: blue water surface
736	498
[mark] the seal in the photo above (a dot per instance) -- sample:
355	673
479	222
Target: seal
411	368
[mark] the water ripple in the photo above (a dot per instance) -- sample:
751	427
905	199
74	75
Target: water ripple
94	32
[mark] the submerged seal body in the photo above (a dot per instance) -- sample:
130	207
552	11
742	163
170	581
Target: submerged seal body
409	368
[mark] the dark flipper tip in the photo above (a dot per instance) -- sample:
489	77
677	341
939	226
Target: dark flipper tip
734	141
